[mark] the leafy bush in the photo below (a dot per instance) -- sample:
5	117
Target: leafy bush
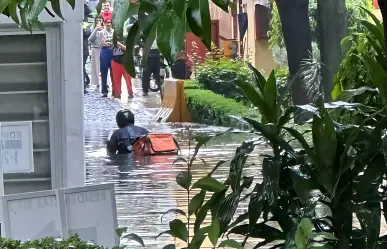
210	108
221	76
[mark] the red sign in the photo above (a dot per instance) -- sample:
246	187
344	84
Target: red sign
194	48
376	4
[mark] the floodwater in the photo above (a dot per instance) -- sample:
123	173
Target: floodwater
145	187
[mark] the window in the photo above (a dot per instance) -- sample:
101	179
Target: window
262	21
24	97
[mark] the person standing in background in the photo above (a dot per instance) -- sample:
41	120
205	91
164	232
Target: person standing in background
118	69
106	36
152	66
107	13
95	41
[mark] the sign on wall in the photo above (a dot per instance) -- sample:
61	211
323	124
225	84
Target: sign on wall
17	147
33	215
92	214
87	211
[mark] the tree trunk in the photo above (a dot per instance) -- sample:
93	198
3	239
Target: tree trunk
297	36
332	27
383	10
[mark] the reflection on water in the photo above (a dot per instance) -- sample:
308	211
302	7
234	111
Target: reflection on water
145	186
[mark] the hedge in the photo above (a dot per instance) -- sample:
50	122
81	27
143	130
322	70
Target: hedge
74	242
210	108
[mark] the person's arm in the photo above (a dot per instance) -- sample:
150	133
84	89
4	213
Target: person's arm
112	144
93	36
122	46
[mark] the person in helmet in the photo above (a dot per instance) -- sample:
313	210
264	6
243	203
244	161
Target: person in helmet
123	138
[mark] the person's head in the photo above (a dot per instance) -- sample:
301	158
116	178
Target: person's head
108	23
124	118
106	6
98	20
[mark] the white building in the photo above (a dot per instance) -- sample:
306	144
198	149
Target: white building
41	81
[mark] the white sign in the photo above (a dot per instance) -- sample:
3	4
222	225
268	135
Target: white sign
17	147
89	211
92	213
34	215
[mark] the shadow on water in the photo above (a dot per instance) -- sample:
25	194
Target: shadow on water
145	186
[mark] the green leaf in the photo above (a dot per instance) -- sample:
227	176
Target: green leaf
130	42
72	3
165	232
148	44
257	99
148	14
256	204
223	4
55	5
230	243
269	133
197	240
120	231
302	185
34	10
170	36
324	139
178	230
300	138
377	74
303	233
184	179
377	32
214	232
347	95
199	21
4	4
12	8
120	15
209	184
175	211
170	246
270	95
196	203
215	199
324	235
179	7
271	170
134	237
260	80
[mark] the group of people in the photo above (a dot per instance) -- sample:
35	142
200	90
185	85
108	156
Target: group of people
107	54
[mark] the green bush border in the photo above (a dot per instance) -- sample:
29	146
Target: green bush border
207	107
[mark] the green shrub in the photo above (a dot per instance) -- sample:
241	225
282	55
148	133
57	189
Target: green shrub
221	75
73	242
210	108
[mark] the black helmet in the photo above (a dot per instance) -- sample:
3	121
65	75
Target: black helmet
124	118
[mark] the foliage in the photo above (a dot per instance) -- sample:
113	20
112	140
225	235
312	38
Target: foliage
355	13
220	75
73	242
341	169
191	84
367	51
210	108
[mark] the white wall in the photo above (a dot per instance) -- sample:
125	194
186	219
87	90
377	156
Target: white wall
70	164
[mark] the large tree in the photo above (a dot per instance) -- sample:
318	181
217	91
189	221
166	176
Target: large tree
332	26
297	37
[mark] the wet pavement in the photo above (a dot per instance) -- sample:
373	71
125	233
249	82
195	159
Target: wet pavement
146	187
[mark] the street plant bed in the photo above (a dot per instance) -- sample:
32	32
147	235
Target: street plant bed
213	109
191	84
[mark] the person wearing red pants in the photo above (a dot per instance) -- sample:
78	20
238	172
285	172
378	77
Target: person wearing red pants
118	70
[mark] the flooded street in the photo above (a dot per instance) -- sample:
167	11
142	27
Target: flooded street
146	187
